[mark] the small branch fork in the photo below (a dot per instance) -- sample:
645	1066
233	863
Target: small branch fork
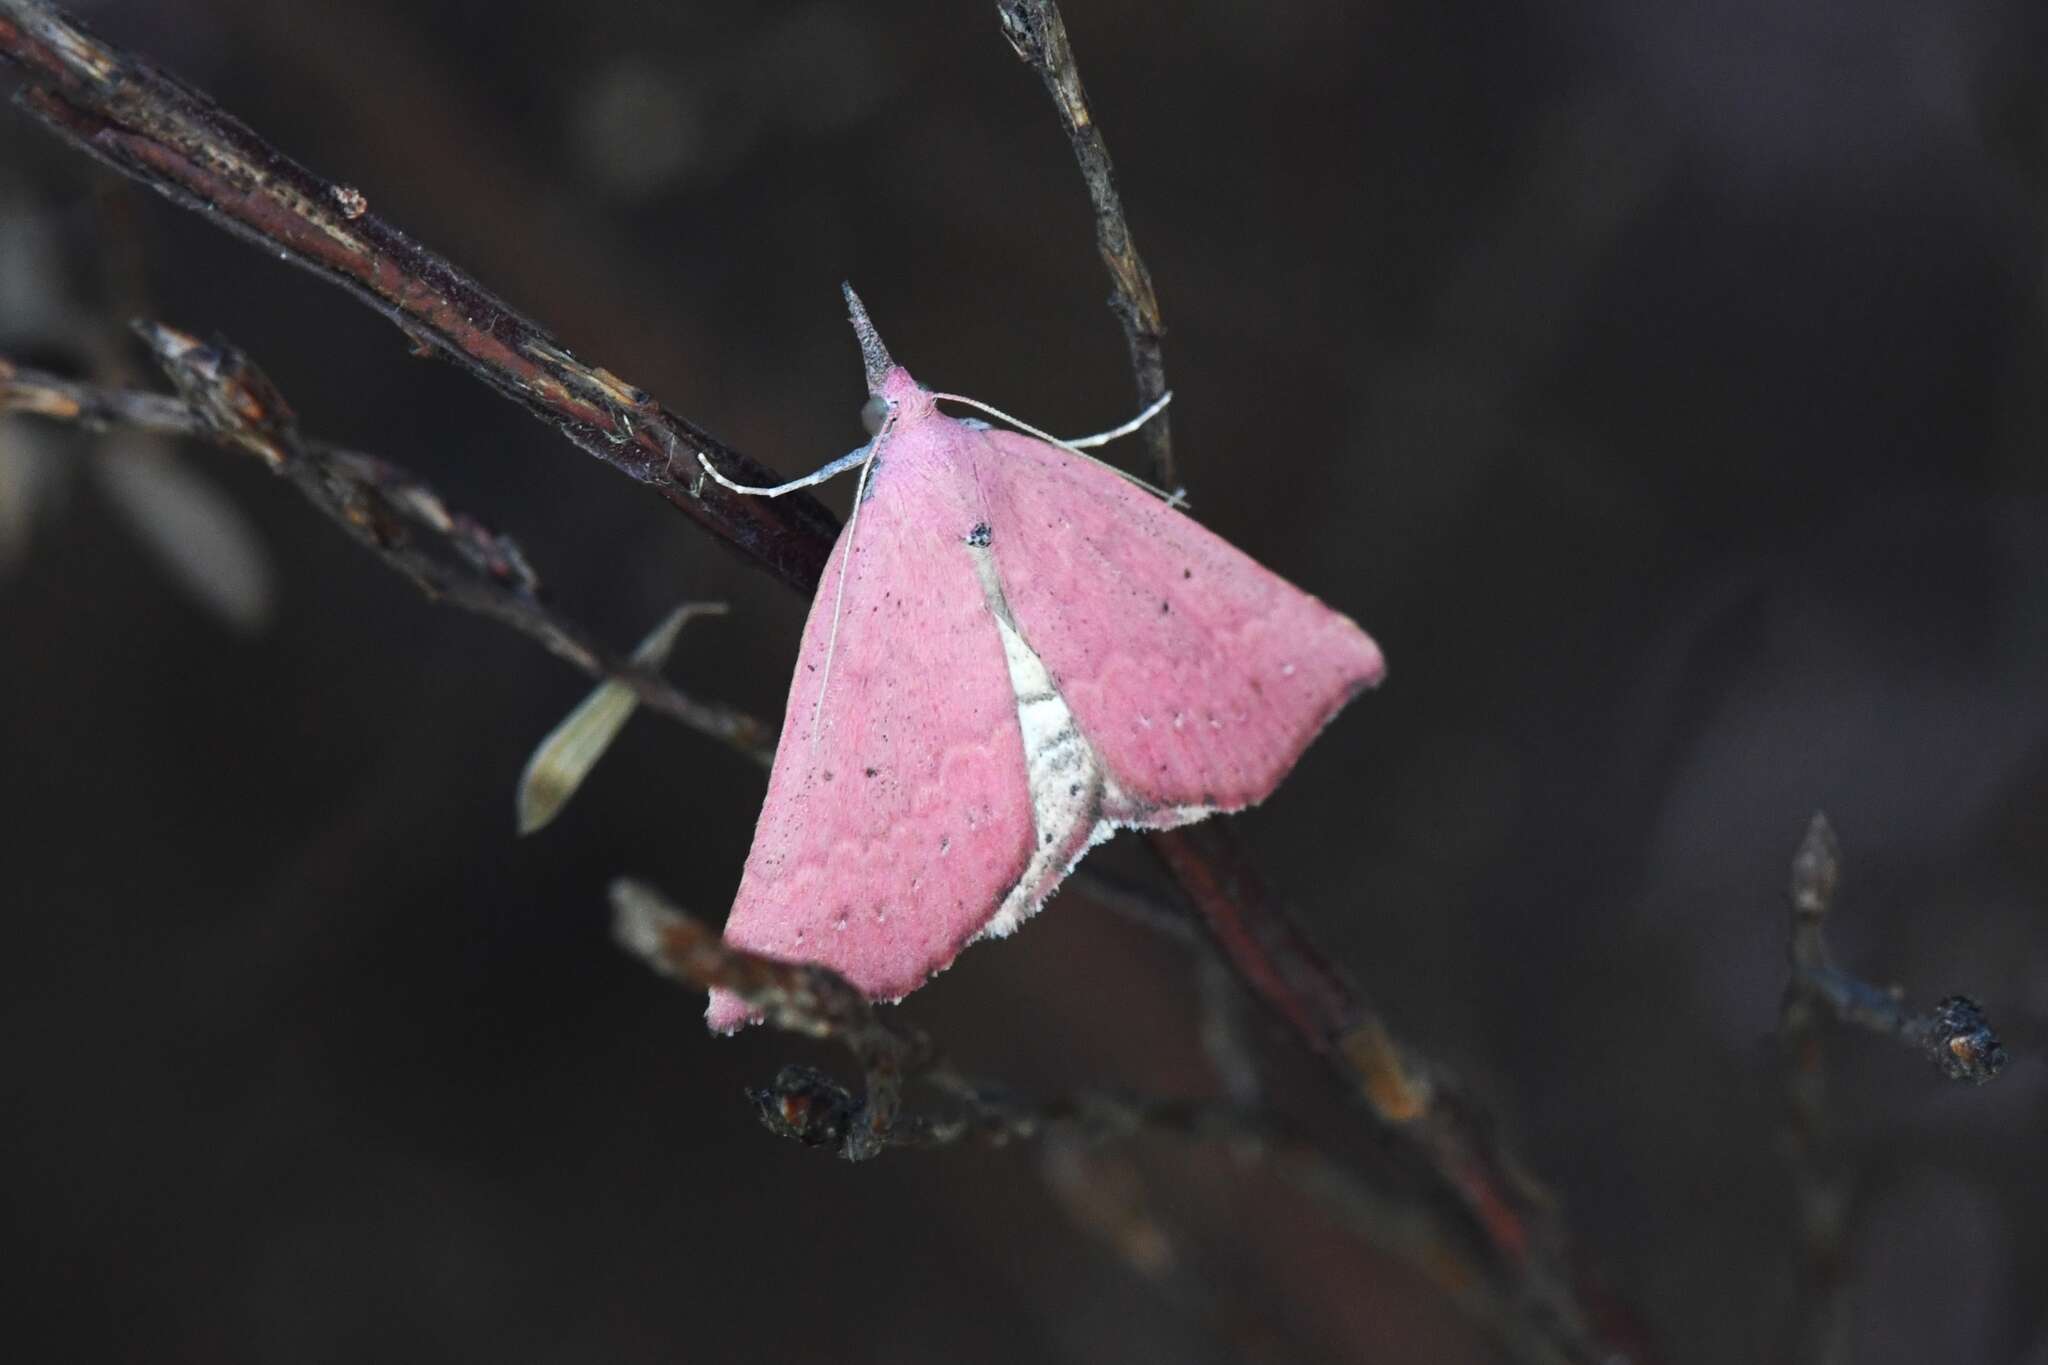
148	125
1954	1035
224	399
807	1106
1038	35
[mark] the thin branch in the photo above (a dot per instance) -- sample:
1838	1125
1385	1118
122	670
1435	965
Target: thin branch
148	125
1954	1036
1436	1120
1817	1332
95	407
1039	36
229	402
805	1105
797	998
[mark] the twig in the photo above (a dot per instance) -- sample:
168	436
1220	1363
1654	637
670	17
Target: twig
230	403
1436	1120
807	1106
1954	1035
1817	1332
795	997
148	125
1039	36
93	406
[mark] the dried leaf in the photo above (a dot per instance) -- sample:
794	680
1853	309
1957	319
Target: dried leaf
563	759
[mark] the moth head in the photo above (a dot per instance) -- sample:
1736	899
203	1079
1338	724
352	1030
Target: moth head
892	392
874	413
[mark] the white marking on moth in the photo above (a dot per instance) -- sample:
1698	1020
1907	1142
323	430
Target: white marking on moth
1287	670
1075	802
1065	777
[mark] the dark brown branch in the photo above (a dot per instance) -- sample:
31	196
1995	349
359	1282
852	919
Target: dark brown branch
230	403
1518	1222
148	125
1039	36
807	1106
797	998
1954	1035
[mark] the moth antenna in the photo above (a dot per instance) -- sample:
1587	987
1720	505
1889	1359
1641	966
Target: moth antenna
873	354
1176	499
860	495
830	471
875	358
1103	438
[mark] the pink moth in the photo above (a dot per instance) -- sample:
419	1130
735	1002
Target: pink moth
1013	653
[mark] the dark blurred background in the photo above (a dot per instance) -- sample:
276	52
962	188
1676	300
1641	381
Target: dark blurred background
1661	383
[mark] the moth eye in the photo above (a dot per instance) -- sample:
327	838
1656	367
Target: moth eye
873	413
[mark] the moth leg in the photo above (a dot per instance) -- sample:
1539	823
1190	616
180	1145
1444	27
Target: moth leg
852	460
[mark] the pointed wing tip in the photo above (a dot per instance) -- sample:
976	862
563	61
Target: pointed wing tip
1372	660
727	1014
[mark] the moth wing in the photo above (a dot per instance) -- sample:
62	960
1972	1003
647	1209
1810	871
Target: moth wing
895	822
1198	675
